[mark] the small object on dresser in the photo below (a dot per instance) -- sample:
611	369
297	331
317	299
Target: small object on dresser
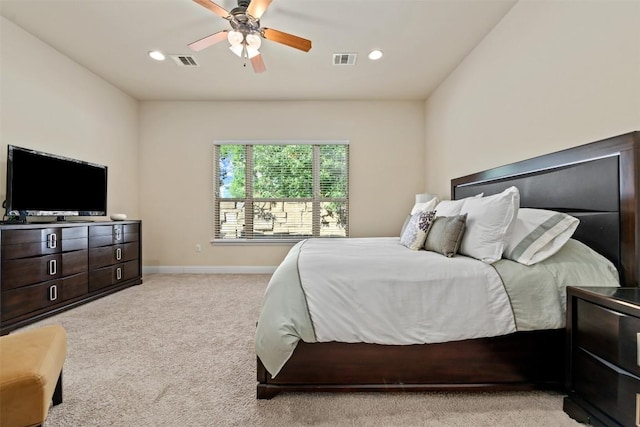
118	217
14	220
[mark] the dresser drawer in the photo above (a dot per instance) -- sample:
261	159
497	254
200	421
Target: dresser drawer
20	237
108	255
27	271
104	235
75	262
51	245
26	243
27	299
112	275
607	387
608	334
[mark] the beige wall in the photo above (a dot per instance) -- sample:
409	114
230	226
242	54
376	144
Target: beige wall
176	149
50	103
159	154
551	75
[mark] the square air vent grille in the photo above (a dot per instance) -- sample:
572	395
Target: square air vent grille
185	60
344	58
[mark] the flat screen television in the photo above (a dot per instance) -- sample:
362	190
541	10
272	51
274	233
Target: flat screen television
44	184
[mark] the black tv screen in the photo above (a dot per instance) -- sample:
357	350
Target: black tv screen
41	183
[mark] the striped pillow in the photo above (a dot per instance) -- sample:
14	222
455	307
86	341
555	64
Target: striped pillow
537	234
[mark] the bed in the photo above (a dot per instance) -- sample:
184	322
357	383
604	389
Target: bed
597	183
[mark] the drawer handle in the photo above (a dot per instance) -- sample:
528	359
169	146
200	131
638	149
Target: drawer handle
53	267
638	409
53	293
118	233
118	273
52	241
638	344
118	254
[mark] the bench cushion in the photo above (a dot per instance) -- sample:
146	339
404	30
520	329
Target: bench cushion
30	364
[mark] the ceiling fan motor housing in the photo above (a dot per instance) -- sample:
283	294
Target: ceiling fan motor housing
243	22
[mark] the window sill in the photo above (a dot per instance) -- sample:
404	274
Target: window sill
254	242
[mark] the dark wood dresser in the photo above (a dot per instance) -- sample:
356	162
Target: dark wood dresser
48	268
603	364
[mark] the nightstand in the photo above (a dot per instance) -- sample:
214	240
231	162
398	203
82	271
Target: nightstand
603	359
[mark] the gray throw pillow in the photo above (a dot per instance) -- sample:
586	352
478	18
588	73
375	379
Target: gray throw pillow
445	234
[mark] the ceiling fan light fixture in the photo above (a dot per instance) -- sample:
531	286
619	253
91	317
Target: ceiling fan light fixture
244	45
235	38
252	52
244	51
237	49
253	41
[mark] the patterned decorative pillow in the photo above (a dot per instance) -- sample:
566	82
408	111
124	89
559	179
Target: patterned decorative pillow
416	230
445	234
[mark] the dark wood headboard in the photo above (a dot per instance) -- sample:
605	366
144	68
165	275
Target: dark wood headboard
596	182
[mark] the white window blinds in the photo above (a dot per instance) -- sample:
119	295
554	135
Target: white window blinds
275	190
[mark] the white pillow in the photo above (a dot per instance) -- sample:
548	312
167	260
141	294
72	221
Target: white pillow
424	206
452	207
537	234
489	221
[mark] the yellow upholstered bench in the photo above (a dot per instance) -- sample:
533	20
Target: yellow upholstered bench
31	374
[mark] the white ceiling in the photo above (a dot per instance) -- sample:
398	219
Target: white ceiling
423	41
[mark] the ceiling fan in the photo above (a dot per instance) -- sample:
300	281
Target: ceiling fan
246	33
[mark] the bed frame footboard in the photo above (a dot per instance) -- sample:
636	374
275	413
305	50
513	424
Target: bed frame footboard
520	361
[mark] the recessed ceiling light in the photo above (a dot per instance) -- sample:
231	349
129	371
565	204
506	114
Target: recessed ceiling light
157	55
374	55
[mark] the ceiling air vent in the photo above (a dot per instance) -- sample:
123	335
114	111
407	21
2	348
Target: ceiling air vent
344	58
185	60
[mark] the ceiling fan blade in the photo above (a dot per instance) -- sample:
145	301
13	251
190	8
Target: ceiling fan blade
287	39
258	64
218	10
208	41
257	7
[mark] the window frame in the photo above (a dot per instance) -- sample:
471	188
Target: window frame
250	200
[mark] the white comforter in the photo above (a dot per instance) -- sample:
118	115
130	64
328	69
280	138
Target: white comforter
375	290
402	296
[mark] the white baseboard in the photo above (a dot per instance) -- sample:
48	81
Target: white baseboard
248	269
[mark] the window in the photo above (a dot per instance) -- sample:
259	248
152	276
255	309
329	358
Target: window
270	190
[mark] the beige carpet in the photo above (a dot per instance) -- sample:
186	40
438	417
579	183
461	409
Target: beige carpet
178	351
